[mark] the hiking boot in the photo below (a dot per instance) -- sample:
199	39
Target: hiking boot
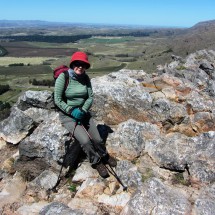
100	167
110	160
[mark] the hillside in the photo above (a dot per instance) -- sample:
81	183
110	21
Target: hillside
200	36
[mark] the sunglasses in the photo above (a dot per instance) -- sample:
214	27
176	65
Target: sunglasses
80	64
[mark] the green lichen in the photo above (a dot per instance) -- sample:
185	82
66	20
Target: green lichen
178	178
147	174
181	67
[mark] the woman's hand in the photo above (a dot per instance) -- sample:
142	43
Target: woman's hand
78	114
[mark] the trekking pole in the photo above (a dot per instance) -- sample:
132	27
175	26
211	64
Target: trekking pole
59	179
111	170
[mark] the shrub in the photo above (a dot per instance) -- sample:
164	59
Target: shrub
181	67
3	51
168	50
47	82
148	174
4	105
16	64
4	88
121	55
4	110
178	178
72	187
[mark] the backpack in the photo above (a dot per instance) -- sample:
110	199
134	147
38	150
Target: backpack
56	72
62	69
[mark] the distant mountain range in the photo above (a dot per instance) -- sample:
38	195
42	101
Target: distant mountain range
40	23
34	23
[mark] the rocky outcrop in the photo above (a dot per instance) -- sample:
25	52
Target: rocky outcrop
147	199
160	127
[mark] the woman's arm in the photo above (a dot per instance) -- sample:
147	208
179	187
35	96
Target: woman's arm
89	101
59	92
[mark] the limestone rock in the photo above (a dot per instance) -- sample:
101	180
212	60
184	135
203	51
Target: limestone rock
38	99
58	208
83	172
129	174
156	198
130	138
16	127
47	140
46	180
123	96
117	200
205	204
178	152
90	188
31	209
202	160
86	206
12	191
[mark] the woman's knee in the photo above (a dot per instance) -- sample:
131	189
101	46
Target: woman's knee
98	141
96	136
85	142
82	139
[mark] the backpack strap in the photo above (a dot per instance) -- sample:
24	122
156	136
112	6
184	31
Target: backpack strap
66	76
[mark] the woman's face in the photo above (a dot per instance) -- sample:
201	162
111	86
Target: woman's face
79	67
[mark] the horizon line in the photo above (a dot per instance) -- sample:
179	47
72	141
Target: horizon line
105	24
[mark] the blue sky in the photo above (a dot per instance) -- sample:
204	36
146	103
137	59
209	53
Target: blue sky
181	13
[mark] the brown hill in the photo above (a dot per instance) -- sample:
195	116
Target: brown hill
200	36
182	43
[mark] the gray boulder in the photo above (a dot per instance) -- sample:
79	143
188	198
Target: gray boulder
154	197
47	140
58	209
205	203
46	180
38	99
16	127
130	137
179	152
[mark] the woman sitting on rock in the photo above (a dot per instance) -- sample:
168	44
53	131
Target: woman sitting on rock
75	116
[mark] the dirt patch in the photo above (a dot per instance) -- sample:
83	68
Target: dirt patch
30	168
7	151
10	209
24	50
38	52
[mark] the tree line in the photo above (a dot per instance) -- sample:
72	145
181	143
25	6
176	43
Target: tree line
75	38
50	39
